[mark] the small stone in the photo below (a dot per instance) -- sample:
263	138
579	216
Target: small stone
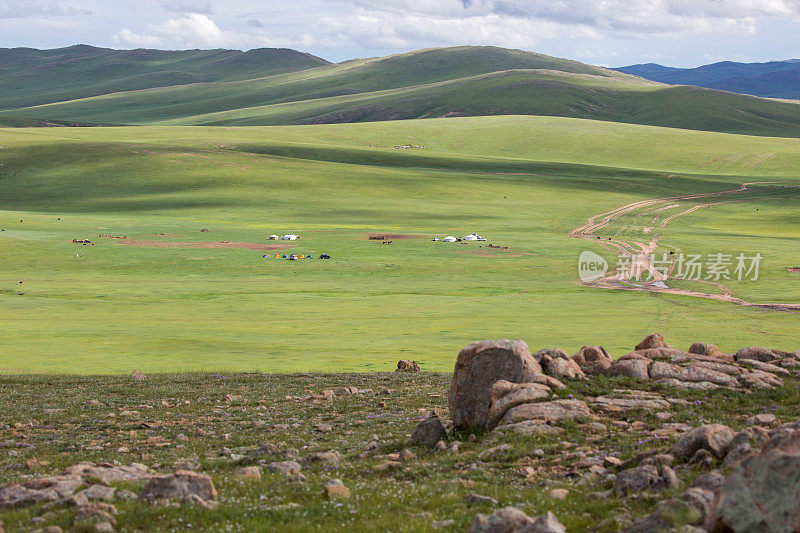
335	489
494	451
479	499
559	494
249	473
406	455
663	416
440	446
287	468
763	419
138	375
610	461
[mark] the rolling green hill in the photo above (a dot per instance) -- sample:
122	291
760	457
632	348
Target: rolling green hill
170	296
31	77
461	81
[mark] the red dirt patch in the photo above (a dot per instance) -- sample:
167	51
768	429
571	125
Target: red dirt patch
222	244
390	236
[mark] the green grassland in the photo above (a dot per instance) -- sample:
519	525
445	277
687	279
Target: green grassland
459	81
523	182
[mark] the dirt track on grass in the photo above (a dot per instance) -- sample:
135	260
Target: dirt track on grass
641	251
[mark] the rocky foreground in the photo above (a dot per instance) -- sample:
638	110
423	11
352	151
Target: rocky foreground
658	439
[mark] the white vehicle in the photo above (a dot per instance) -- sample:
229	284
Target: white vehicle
450	238
273	237
290	237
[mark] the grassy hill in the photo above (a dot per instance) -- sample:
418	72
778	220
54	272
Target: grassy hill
171	297
30	77
461	81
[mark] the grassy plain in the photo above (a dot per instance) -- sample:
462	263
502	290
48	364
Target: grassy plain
523	182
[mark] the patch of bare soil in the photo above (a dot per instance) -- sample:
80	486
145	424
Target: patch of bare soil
390	236
221	244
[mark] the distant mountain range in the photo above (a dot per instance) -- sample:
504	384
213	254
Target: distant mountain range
775	79
86	85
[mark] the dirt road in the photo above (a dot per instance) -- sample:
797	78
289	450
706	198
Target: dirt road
641	252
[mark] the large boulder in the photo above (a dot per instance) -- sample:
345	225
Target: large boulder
632	367
654	340
756	353
715	438
552	411
563	368
763	493
506	395
478	367
710	350
593	360
557	363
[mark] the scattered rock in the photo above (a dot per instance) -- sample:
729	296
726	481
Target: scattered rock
336	490
764	355
712	437
287	468
478	499
407	366
638	479
654	340
559	494
593	360
763	419
429	431
551	411
249	473
512	520
506	520
506	395
704	348
331	458
183	486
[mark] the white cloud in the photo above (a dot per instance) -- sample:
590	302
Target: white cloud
192	30
14	10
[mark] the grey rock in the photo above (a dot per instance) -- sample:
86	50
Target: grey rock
712	437
429	431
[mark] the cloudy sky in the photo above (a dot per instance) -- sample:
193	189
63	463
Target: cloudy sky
604	32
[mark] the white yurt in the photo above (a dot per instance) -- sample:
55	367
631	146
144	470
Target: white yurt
450	238
273	237
290	237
